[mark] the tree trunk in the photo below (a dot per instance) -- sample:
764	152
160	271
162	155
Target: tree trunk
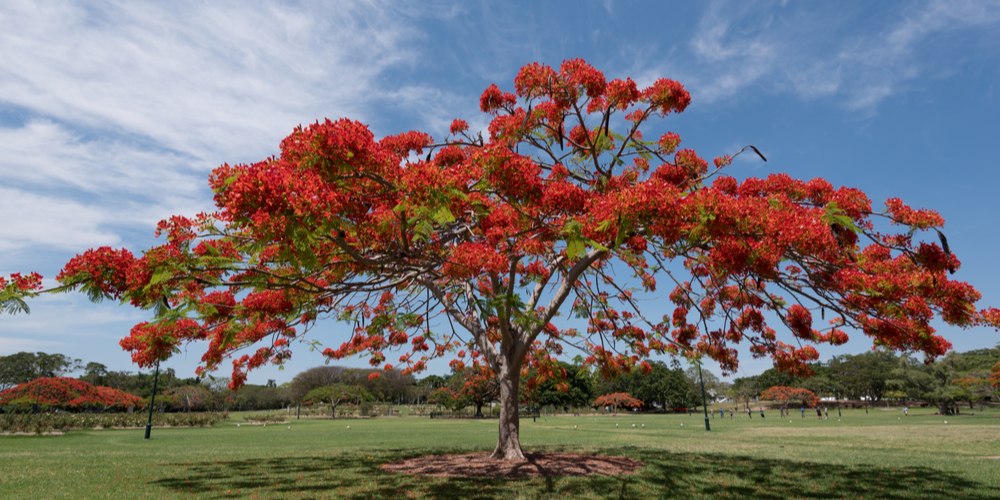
333	411
509	444
942	408
479	410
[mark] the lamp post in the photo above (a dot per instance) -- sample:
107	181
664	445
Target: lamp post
152	398
704	401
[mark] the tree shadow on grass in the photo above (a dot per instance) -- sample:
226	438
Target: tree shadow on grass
666	475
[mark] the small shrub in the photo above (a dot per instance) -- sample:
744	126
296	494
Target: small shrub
46	422
266	418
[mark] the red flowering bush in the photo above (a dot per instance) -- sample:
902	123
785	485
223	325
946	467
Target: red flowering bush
617	399
64	392
785	395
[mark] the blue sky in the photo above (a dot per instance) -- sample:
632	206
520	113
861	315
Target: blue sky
112	114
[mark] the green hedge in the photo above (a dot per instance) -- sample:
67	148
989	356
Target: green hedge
45	422
266	418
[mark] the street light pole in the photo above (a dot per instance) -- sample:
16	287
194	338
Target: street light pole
704	400
152	398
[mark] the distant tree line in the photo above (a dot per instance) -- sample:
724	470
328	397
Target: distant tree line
663	387
874	377
879	376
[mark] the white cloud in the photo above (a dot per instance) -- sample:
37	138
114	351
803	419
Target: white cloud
33	219
130	104
825	51
10	346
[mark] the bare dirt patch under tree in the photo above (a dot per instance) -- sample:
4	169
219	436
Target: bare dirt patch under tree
541	464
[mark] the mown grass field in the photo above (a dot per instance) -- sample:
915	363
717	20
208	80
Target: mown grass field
878	455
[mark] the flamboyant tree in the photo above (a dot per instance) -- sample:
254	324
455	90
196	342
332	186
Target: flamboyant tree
476	247
617	399
477	384
785	395
65	392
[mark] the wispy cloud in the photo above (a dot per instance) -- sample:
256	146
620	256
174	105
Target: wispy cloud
827	50
135	101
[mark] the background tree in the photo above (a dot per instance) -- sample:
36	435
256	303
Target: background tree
785	395
314	378
476	384
477	247
188	397
928	382
23	367
746	389
662	386
447	398
335	395
573	389
863	375
713	386
615	400
94	372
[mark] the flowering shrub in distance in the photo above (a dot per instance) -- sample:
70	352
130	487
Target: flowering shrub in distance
617	399
785	395
64	392
564	203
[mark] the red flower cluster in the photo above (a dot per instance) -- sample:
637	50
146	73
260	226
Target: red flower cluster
64	392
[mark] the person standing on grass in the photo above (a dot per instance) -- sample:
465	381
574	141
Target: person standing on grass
730	414
721	414
749	414
762	412
826	413
905	410
803	410
819	413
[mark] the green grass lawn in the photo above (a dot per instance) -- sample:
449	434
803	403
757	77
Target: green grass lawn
878	455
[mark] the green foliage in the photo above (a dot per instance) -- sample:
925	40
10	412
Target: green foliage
863	375
337	394
48	422
24	367
664	386
579	391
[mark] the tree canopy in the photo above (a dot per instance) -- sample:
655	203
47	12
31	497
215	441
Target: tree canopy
335	395
475	248
616	399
